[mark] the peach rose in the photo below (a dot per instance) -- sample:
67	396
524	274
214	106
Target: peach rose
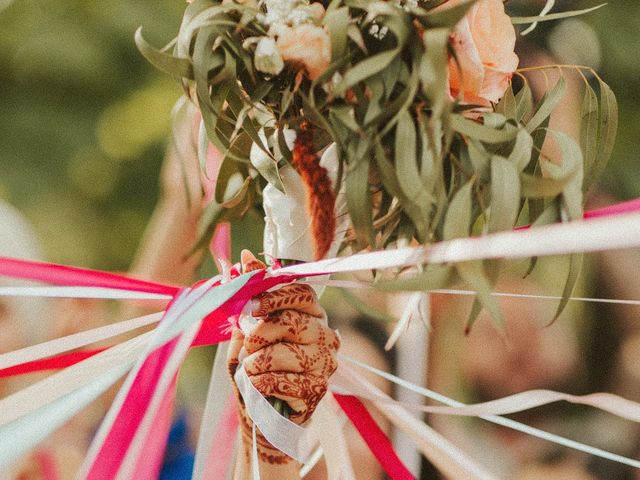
484	43
307	45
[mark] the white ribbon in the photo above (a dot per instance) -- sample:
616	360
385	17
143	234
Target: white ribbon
604	233
291	439
217	397
462	409
80	292
30	414
77	340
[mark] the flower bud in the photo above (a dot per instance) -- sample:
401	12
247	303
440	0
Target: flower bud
267	58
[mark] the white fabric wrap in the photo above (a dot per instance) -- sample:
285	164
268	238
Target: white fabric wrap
282	433
287	232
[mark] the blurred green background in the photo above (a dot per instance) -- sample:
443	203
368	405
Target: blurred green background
84	119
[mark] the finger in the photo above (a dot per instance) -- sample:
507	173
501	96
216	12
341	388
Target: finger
235	345
291	326
302	392
290	297
250	262
289	357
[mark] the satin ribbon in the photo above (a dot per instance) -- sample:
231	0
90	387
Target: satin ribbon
375	438
279	431
55	274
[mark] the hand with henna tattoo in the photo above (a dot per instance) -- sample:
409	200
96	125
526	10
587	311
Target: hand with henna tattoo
288	355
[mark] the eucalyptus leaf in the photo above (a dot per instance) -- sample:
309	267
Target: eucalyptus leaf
365	69
178	67
359	200
432	278
554	16
473	274
482	132
573	273
520	156
337	20
589	124
607	131
448	17
548	103
505	195
524	102
571	168
458	218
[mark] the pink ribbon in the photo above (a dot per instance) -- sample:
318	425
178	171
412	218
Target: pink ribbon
629	206
149	464
53	363
374	437
116	444
55	274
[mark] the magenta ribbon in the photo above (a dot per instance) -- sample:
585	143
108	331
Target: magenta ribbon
374	437
55	274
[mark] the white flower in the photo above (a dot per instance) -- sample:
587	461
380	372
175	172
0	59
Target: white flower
267	57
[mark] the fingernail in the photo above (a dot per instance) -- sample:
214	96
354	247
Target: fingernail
255	305
246	257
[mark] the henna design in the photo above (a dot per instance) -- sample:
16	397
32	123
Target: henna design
291	354
295	296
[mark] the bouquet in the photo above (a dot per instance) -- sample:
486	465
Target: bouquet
410	115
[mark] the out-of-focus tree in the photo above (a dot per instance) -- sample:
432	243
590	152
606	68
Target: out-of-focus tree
83	121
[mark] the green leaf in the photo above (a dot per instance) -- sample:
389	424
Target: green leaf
554	16
482	132
589	117
448	17
571	167
548	103
473	274
391	184
345	115
178	67
203	146
542	187
406	157
607	131
432	278
227	170
479	158
507	104
365	69
359	200
458	218
524	102
574	268
520	156
365	308
505	195
337	21
233	200
433	68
